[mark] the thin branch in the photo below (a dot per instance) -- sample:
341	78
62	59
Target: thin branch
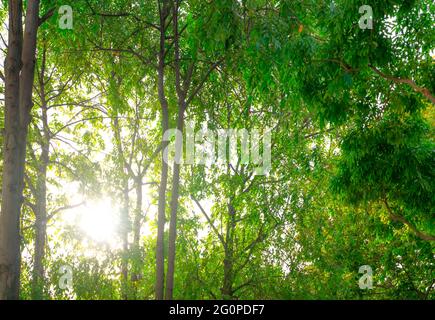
396	217
46	16
221	238
409	82
203	80
69	207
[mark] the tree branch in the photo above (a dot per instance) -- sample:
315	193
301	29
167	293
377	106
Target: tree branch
65	208
409	82
221	238
46	16
399	218
201	83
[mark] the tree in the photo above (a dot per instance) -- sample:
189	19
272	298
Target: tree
19	74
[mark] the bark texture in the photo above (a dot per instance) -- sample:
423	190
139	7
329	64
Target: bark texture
19	75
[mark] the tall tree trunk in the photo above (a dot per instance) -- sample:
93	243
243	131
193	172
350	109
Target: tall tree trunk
137	223
40	230
41	195
18	103
173	217
160	247
181	94
138	214
227	287
12	187
125	227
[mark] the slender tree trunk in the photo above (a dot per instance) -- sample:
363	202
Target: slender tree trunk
41	195
125	226
40	234
181	94
138	214
160	247
227	287
19	74
41	212
173	219
125	215
160	253
11	189
137	223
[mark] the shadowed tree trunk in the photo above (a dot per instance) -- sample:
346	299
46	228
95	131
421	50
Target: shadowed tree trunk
41	196
12	187
19	74
138	214
176	169
137	223
182	86
40	227
125	227
160	247
173	218
227	287
125	214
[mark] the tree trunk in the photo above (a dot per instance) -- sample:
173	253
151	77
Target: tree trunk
160	253
41	195
41	212
18	103
137	223
173	217
12	187
181	94
138	213
125	227
40	236
125	214
227	287
160	248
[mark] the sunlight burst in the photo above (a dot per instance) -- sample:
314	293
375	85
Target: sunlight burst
99	221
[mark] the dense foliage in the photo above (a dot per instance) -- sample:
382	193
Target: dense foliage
350	112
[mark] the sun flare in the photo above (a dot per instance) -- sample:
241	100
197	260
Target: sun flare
99	220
